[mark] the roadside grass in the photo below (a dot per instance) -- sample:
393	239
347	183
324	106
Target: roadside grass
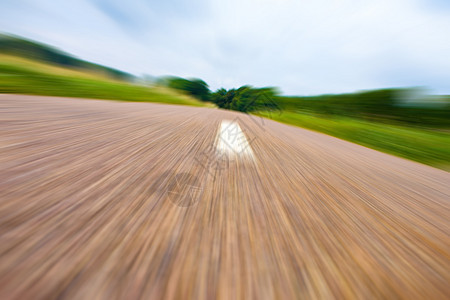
427	146
25	76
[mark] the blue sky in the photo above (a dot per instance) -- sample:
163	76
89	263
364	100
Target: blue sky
304	47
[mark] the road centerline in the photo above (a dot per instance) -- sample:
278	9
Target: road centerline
231	140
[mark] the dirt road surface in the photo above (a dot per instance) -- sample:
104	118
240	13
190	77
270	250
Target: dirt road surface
115	200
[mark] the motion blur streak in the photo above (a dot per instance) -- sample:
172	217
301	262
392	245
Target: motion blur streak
84	211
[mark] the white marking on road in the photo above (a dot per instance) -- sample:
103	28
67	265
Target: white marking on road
231	141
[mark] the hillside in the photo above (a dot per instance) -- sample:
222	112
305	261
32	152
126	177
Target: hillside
17	46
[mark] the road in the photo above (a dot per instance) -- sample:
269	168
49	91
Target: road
117	200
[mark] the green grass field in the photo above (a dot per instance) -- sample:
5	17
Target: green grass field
427	146
25	76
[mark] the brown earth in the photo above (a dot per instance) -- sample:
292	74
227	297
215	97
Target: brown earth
115	200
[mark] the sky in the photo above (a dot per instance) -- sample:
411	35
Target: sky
304	47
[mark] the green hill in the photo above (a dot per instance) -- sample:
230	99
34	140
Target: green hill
16	46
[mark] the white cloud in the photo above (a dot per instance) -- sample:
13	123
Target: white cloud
305	47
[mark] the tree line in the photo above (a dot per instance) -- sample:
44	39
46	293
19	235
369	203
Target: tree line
245	99
382	105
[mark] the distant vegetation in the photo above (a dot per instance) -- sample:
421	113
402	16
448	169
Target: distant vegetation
32	50
388	105
245	99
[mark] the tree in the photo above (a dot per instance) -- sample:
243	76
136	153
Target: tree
246	98
194	86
